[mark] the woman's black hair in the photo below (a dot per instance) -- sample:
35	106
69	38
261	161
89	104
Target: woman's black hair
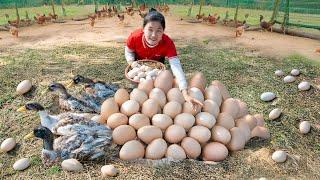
154	15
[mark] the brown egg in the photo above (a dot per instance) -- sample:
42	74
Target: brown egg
220	134
251	120
23	87
131	150
215	151
175	94
138	95
164	81
162	121
188	108
121	96
176	152
191	147
225	120
260	132
243	109
223	89
158	95
196	93
213	93
175	83
199	81
149	133
205	119
200	133
150	107
146	86
129	107
175	133
211	107
185	120
116	120
139	120
230	106
237	140
123	134
108	107
245	128
260	119
172	109
156	149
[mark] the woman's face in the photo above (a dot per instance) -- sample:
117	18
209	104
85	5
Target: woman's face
153	32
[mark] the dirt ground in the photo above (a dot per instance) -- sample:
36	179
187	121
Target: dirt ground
108	31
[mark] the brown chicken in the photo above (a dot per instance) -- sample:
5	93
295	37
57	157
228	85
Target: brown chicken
142	15
165	8
200	16
55	17
240	31
266	25
213	19
14	23
14	31
143	7
92	19
121	17
115	10
40	19
130	11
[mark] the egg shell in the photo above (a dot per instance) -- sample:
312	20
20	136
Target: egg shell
267	96
175	133
123	134
172	109
205	119
191	147
162	121
223	89
304	127
156	149
109	170
199	81
200	133
188	108
230	106
211	107
164	81
130	107
260	119
260	132
275	114
175	94
138	121
279	73
121	96
8	144
279	156
225	120
295	72
304	86
132	150
23	87
108	107
238	140
150	107
146	86
215	151
138	95
21	164
220	134
148	133
251	120
243	109
152	73
142	75
196	93
158	95
244	127
71	165
176	152
135	64
213	93
116	120
185	120
136	78
289	79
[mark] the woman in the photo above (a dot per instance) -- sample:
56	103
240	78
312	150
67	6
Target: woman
151	43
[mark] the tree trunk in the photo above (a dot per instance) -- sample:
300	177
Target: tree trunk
52	4
17	12
275	10
63	9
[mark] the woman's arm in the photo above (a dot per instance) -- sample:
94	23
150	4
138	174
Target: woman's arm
129	54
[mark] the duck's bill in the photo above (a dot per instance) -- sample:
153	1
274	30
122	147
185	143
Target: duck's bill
22	109
29	136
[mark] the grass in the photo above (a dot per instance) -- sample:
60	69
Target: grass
243	71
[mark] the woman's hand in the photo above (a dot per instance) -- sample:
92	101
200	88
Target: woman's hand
195	102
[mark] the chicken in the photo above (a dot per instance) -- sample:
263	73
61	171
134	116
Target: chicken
121	17
142	15
55	17
266	25
40	19
143	7
240	30
92	19
213	19
14	31
14	23
200	16
165	8
129	11
115	10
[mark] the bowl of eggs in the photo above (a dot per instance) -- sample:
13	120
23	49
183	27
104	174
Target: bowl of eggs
142	70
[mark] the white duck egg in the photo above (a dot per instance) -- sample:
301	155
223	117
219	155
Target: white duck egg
109	170
289	79
279	73
304	86
279	156
21	164
274	114
304	127
295	72
71	165
8	145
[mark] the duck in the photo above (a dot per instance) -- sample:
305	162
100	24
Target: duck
48	120
71	103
